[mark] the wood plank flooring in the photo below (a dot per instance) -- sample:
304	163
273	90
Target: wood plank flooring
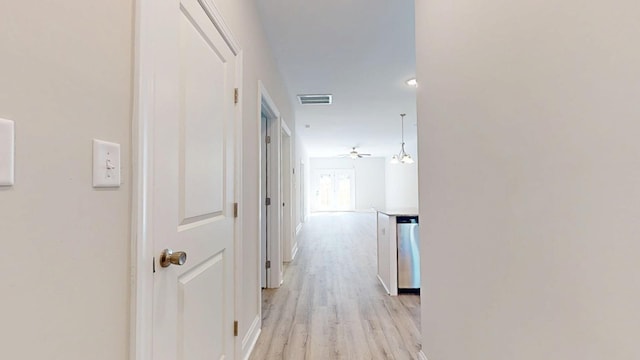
331	305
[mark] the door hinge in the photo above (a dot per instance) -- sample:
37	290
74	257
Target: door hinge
268	264
235	95
235	210
267	201
235	328
154	264
267	139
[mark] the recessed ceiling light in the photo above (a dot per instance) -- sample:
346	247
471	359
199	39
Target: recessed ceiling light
412	82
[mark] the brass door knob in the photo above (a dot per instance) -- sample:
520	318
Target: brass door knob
169	257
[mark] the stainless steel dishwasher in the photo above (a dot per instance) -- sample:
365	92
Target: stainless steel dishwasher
408	254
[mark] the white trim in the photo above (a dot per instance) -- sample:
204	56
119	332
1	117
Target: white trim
251	338
141	319
263	94
215	16
422	356
285	128
239	234
298	228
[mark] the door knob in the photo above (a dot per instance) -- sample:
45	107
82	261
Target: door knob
169	257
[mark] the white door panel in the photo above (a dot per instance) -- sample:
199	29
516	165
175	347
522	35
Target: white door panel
202	71
193	180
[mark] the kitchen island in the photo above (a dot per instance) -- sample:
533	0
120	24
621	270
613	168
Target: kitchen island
398	246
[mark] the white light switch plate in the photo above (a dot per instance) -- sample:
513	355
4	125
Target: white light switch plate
7	152
106	164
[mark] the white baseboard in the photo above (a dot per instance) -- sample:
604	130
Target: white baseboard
294	251
298	228
250	340
422	356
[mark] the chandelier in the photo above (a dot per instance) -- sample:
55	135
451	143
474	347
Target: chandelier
402	156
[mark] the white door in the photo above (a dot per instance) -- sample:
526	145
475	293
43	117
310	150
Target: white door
334	190
193	183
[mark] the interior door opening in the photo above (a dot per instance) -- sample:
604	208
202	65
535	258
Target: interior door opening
264	190
334	190
271	197
303	194
286	195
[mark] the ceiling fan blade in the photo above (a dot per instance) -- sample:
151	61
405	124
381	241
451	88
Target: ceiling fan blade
365	154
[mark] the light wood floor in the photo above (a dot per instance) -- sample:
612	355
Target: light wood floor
331	305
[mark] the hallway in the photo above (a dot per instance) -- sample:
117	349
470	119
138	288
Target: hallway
331	305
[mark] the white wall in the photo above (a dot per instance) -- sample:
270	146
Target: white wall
259	65
66	79
370	178
401	183
529	179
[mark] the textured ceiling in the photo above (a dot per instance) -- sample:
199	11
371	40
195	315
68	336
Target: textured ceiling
362	52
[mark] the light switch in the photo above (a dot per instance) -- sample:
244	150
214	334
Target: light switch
7	152
106	164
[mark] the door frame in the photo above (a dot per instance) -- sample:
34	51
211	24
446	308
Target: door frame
274	275
142	144
286	189
267	118
303	195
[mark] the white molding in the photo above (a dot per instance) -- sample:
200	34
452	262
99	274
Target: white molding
263	94
298	228
422	356
215	16
251	338
239	223
285	128
141	318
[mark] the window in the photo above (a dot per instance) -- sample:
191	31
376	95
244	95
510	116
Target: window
334	190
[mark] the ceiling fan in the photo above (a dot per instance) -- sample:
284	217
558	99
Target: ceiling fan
354	154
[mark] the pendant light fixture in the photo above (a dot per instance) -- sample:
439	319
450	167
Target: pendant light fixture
402	156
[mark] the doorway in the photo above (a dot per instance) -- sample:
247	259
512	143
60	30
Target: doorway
334	190
270	193
286	191
303	194
264	189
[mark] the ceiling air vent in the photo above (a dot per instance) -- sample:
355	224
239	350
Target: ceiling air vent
315	99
